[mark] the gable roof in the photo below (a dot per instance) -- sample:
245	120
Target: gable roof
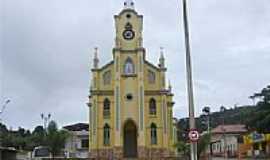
152	65
104	66
237	129
77	127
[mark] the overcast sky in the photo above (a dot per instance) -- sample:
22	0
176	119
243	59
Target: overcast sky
47	47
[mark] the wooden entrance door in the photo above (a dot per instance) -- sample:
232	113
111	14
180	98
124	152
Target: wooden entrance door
130	140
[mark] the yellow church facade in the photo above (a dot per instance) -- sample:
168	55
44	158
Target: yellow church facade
130	105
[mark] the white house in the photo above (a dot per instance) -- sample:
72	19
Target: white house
224	139
77	145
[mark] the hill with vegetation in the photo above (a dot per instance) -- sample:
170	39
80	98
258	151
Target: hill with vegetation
256	117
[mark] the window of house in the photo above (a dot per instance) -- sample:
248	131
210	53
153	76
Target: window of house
129	67
106	107
153	134
106	135
152	106
85	143
107	78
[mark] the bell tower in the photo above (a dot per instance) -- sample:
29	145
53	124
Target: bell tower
129	26
130	108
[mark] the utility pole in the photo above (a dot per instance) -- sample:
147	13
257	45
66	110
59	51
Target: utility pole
193	146
223	109
207	112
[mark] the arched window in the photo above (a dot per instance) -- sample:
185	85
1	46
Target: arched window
106	135
106	107
151	77
107	78
129	67
128	26
152	106
153	133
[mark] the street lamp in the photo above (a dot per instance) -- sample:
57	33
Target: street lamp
207	111
1	112
223	109
3	108
46	119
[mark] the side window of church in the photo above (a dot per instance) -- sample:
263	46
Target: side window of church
106	135
152	106
151	77
106	108
129	67
107	78
153	134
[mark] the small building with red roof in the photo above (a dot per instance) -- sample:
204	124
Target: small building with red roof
225	139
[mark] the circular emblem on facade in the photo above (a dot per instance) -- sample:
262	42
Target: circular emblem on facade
128	34
129	97
193	135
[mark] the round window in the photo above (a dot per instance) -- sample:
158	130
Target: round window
129	97
128	16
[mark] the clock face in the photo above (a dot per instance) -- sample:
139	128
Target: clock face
128	34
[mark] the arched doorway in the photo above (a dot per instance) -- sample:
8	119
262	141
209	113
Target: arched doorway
130	139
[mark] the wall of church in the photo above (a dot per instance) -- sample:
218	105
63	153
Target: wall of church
105	78
156	74
102	120
156	119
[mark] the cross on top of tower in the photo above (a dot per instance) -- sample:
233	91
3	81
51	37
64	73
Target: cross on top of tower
129	4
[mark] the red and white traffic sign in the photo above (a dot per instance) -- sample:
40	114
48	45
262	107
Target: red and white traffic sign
193	135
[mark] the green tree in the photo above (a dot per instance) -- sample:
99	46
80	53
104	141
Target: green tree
39	130
203	144
3	128
3	134
36	139
261	116
263	95
183	148
55	139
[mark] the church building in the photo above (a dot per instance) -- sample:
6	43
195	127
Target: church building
130	104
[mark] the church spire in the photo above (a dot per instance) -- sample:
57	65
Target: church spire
170	87
129	4
96	60
161	59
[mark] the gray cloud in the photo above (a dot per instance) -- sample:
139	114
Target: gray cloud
46	52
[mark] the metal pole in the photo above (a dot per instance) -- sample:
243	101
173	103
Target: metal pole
193	146
224	132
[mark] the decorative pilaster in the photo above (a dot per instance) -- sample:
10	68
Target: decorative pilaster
117	110
141	98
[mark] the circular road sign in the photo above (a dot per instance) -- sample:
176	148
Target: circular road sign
193	135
